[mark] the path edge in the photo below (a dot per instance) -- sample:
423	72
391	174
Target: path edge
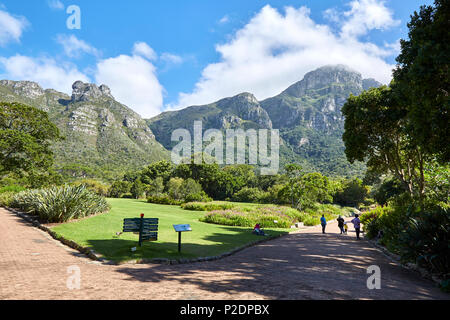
408	266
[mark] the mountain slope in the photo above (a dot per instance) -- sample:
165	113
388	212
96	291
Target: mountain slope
103	136
308	115
241	111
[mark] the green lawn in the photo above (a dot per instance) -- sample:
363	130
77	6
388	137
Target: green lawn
205	240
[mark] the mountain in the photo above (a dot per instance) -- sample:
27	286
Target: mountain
102	136
308	115
241	111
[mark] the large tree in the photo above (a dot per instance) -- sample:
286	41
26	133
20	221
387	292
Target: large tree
26	134
422	78
375	132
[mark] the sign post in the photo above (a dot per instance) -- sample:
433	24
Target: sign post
147	228
180	228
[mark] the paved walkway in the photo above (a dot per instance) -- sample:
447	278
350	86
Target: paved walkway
307	265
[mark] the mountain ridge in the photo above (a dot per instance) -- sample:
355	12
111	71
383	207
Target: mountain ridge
105	137
308	115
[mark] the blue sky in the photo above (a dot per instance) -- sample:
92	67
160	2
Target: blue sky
164	55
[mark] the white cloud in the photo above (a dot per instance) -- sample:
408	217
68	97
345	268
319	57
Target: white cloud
133	81
46	71
224	19
366	15
332	15
132	78
275	50
11	28
144	50
55	4
74	48
171	58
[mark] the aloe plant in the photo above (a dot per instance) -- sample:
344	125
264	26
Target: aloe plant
60	204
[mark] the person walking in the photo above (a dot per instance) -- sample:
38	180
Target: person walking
323	221
357	224
341	224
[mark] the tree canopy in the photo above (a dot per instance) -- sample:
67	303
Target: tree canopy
25	137
422	78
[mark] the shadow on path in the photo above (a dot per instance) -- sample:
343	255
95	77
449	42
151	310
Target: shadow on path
298	266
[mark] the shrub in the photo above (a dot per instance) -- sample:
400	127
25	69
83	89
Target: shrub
174	188
426	239
253	195
267	217
390	220
199	197
6	199
12	189
201	206
95	186
164	199
119	188
60	204
371	222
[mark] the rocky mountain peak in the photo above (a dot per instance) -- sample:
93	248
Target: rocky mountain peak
248	97
323	77
88	91
27	89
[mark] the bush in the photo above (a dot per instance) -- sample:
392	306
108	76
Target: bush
353	193
164	199
119	188
390	220
6	199
60	204
252	195
267	217
200	206
374	220
95	186
198	197
12	189
426	238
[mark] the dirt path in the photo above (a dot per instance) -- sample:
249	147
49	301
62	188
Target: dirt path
307	265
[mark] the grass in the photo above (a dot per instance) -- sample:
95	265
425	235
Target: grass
99	233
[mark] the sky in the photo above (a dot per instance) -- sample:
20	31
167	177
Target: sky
166	55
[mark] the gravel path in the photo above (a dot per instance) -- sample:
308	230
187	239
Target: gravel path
305	265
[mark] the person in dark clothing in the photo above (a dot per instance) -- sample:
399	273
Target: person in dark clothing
323	221
341	224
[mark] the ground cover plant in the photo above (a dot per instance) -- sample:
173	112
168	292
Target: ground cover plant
269	216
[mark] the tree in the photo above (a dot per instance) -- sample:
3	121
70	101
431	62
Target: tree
174	188
352	194
422	78
190	187
293	172
137	189
244	175
387	190
375	131
25	137
161	169
119	188
156	187
307	190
